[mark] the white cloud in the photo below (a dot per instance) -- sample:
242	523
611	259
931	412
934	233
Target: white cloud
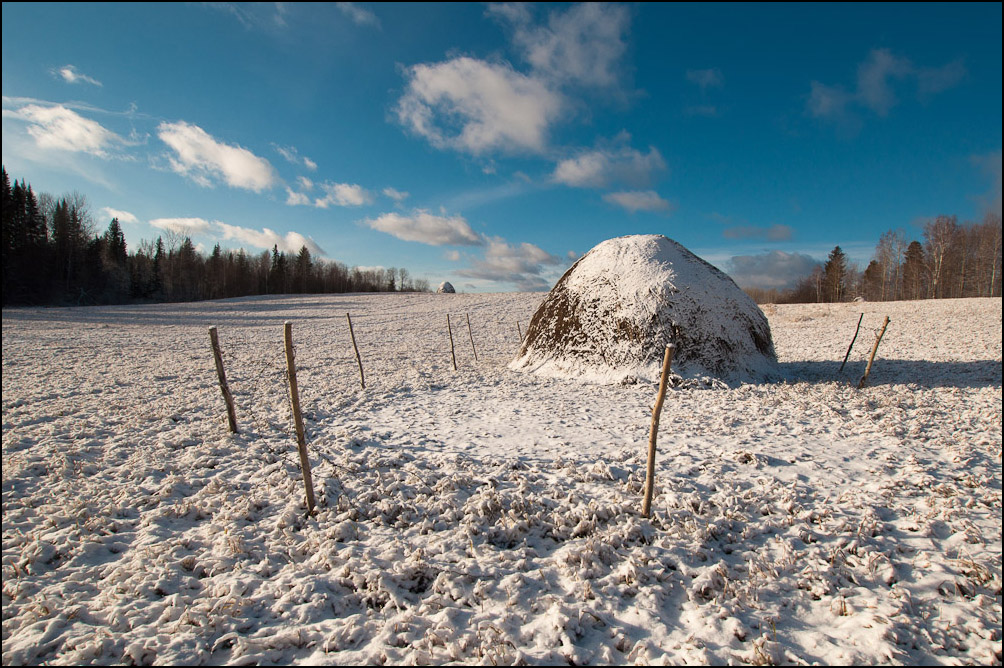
427	228
203	159
296	199
342	194
396	195
185	226
123	216
875	91
633	201
56	127
358	15
523	265
582	45
305	183
452	256
69	74
291	242
601	167
710	78
473	106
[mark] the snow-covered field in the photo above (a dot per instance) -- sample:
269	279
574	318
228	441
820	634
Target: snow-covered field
486	516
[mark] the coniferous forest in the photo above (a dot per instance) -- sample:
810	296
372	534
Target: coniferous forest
54	254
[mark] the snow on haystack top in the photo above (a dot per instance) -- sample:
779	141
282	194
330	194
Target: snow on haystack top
445	288
611	315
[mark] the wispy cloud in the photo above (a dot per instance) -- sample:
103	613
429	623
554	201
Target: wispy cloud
342	194
293	157
494	106
705	79
427	228
254	15
601	167
875	90
396	195
69	74
59	128
634	201
358	15
205	160
525	265
990	165
123	216
291	242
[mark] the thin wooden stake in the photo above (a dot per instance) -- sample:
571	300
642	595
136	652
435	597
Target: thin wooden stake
852	344
452	353
654	433
294	399
520	331
222	375
871	359
362	381
471	333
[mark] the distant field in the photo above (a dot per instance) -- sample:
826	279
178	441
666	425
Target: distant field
486	516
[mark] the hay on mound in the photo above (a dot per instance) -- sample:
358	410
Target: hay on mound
610	317
445	288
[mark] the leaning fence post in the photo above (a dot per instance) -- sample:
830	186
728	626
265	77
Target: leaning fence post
654	433
471	334
871	359
294	400
221	374
452	353
362	381
852	344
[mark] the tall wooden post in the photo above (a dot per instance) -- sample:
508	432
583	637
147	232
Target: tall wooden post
871	359
362	381
221	374
654	432
471	334
294	399
852	344
452	353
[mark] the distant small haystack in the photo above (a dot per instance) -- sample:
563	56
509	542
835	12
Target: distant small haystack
610	317
445	288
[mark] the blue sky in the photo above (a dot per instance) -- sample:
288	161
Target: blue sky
490	144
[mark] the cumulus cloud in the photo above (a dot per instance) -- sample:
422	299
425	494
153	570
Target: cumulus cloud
875	89
773	232
601	167
639	200
58	128
773	269
204	159
294	198
476	107
123	216
705	79
427	228
291	242
342	194
185	226
69	74
580	46
522	265
358	15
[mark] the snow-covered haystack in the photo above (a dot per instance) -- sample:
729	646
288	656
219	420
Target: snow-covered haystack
445	288
611	315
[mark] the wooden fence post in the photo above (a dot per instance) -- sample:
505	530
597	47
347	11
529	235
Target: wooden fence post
852	344
654	433
450	330
871	359
471	334
221	374
362	381
519	331
294	399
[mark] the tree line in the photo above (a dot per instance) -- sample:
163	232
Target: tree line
53	255
953	260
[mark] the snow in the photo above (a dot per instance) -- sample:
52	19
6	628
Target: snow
486	515
612	314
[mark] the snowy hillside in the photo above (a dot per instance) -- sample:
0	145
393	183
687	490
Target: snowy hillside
488	516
